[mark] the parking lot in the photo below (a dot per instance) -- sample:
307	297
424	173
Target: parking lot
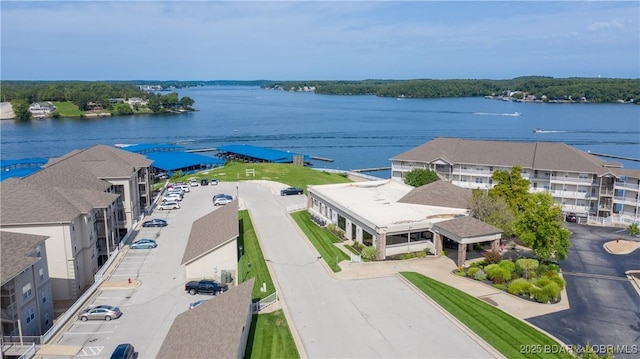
149	309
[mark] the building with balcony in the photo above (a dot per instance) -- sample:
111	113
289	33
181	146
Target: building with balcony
84	202
578	181
26	298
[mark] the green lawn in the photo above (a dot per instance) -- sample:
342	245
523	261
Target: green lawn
67	109
295	176
270	337
252	254
321	239
503	332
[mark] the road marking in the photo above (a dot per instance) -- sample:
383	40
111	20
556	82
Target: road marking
90	351
87	333
597	276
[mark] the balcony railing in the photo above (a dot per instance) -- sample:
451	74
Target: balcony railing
627	200
571	180
628	186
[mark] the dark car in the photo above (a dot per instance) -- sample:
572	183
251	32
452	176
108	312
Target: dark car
205	286
291	191
571	217
204	182
156	222
124	351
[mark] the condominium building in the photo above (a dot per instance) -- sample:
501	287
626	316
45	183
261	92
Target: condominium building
27	303
593	188
84	202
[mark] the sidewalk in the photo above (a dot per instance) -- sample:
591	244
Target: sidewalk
441	269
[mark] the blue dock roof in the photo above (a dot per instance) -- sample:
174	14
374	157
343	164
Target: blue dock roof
261	153
173	161
145	148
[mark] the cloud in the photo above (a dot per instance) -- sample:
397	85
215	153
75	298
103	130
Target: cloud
597	26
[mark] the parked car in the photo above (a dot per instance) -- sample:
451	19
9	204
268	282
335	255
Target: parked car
168	205
204	181
197	303
156	222
193	182
124	351
571	217
144	243
205	286
213	182
172	197
101	312
291	191
222	199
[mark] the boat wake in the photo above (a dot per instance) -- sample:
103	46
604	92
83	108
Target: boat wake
537	130
513	114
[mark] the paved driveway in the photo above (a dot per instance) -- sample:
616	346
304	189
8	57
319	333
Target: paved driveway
369	318
605	307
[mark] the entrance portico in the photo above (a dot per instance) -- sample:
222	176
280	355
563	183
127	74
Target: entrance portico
465	231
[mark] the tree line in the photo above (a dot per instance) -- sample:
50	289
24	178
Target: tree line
87	95
597	90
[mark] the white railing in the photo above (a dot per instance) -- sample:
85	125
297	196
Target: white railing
267	301
571	179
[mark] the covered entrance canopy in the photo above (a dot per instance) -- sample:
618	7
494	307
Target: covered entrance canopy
464	231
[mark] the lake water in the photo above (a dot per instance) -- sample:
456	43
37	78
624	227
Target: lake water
355	131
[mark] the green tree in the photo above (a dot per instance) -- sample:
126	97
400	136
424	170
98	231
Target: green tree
494	211
539	226
511	186
21	109
419	177
633	229
122	109
186	102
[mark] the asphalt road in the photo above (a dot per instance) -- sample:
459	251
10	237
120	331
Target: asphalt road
604	306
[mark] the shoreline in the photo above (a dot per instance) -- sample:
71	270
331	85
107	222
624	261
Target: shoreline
6	111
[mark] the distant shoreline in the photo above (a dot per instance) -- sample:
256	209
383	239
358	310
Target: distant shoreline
6	111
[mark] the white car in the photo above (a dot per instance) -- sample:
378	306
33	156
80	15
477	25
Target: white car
172	197
193	182
168	205
222	199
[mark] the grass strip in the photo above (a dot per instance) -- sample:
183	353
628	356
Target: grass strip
502	331
270	337
321	239
252	263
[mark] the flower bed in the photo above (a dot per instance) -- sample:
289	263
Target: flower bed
525	278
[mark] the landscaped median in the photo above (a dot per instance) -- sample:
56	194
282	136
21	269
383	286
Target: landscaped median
321	239
510	336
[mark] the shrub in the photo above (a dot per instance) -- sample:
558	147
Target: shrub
369	253
461	273
552	290
508	265
541	282
480	275
478	264
558	280
491	257
497	273
472	271
527	266
519	286
539	295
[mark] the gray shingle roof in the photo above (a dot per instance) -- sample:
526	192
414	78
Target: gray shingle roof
212	230
553	156
210	330
106	161
439	194
467	227
17	253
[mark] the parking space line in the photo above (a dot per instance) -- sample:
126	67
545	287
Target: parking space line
90	351
87	333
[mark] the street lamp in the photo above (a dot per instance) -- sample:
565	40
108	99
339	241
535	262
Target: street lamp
239	260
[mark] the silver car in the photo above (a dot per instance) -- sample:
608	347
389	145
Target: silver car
101	312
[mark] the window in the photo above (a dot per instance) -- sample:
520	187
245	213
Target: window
30	315
479	180
26	291
41	273
38	251
43	296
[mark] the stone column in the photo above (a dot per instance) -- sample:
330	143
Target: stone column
437	238
381	245
462	254
495	245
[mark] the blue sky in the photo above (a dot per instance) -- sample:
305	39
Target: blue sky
305	40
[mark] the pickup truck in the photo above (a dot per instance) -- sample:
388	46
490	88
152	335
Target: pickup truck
291	191
205	286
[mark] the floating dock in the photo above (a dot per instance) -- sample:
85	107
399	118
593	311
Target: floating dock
614	156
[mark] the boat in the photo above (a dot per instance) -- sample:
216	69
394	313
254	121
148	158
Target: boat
515	114
538	130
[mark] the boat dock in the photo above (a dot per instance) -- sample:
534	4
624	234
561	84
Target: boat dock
373	169
614	156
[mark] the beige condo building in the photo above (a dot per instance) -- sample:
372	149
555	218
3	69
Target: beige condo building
598	191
